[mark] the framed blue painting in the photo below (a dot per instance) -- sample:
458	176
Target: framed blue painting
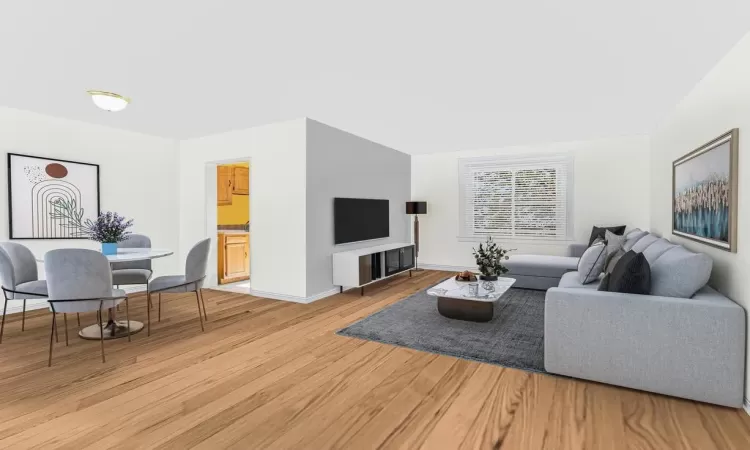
704	193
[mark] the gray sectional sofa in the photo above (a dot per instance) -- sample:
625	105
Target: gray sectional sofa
672	342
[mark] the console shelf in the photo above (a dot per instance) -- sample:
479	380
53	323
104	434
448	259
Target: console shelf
363	266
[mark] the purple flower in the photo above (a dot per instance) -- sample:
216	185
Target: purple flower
109	227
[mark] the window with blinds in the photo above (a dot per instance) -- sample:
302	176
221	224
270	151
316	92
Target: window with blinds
519	198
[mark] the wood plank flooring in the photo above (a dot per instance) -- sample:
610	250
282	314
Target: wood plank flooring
274	375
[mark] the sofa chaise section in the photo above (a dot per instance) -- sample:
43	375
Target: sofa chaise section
539	272
692	348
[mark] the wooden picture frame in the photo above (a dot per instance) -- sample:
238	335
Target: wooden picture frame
35	181
705	193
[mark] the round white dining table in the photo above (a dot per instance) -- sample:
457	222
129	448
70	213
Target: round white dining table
114	328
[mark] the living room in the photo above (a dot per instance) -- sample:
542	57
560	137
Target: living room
608	166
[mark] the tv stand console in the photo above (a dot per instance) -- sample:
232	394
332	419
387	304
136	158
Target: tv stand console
363	266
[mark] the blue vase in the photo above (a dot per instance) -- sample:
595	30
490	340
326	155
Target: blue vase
109	248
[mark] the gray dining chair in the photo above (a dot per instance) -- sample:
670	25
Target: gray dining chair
195	274
134	272
19	278
80	280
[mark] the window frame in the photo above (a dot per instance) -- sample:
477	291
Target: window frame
514	163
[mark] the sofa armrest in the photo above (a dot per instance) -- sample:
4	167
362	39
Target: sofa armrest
692	348
577	250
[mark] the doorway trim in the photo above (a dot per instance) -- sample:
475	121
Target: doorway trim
212	274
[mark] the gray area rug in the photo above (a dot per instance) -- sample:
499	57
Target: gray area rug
513	338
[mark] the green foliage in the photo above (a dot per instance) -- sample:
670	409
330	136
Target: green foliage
71	217
490	257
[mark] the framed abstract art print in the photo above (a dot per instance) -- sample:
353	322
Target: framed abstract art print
48	197
704	193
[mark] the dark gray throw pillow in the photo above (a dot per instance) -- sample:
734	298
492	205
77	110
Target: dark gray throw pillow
599	232
631	275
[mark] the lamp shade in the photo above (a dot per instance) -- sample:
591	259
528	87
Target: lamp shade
416	207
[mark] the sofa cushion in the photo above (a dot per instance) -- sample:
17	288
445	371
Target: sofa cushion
541	265
655	250
679	272
631	275
644	242
632	237
572	280
591	264
599	232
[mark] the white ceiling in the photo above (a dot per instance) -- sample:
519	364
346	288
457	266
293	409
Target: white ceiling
420	76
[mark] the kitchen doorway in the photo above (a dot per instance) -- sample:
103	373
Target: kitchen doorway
228	208
233	222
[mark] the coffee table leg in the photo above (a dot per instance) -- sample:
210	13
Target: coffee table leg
469	310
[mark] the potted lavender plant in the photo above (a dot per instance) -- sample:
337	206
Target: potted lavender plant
109	229
490	260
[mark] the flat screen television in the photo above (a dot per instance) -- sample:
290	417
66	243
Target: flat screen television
359	219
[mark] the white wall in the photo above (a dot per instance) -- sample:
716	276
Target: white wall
340	164
138	175
720	102
277	201
611	187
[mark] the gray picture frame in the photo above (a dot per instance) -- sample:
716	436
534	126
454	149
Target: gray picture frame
730	243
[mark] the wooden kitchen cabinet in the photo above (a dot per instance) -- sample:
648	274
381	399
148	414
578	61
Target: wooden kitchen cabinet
234	257
241	180
224	185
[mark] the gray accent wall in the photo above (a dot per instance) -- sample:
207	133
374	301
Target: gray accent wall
340	164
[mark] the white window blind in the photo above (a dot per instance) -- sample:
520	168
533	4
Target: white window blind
523	198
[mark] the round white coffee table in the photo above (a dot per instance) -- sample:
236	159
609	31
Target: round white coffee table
469	300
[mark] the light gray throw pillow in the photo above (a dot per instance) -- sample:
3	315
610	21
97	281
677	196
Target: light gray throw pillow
612	260
591	264
614	242
678	272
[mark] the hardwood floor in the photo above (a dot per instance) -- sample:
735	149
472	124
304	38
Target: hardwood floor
272	374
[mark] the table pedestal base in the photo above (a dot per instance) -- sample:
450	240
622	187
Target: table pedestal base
112	330
470	310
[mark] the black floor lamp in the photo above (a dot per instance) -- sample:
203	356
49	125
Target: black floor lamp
416	208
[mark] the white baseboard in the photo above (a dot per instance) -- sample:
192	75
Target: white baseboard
294	298
16	306
747	406
445	268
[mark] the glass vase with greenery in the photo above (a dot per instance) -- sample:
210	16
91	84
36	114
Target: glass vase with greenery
489	257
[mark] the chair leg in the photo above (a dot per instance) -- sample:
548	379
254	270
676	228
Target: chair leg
23	316
51	334
203	301
2	327
101	332
65	319
148	312
79	320
159	295
200	316
127	316
57	337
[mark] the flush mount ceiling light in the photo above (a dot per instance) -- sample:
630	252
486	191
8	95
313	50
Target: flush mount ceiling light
109	101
